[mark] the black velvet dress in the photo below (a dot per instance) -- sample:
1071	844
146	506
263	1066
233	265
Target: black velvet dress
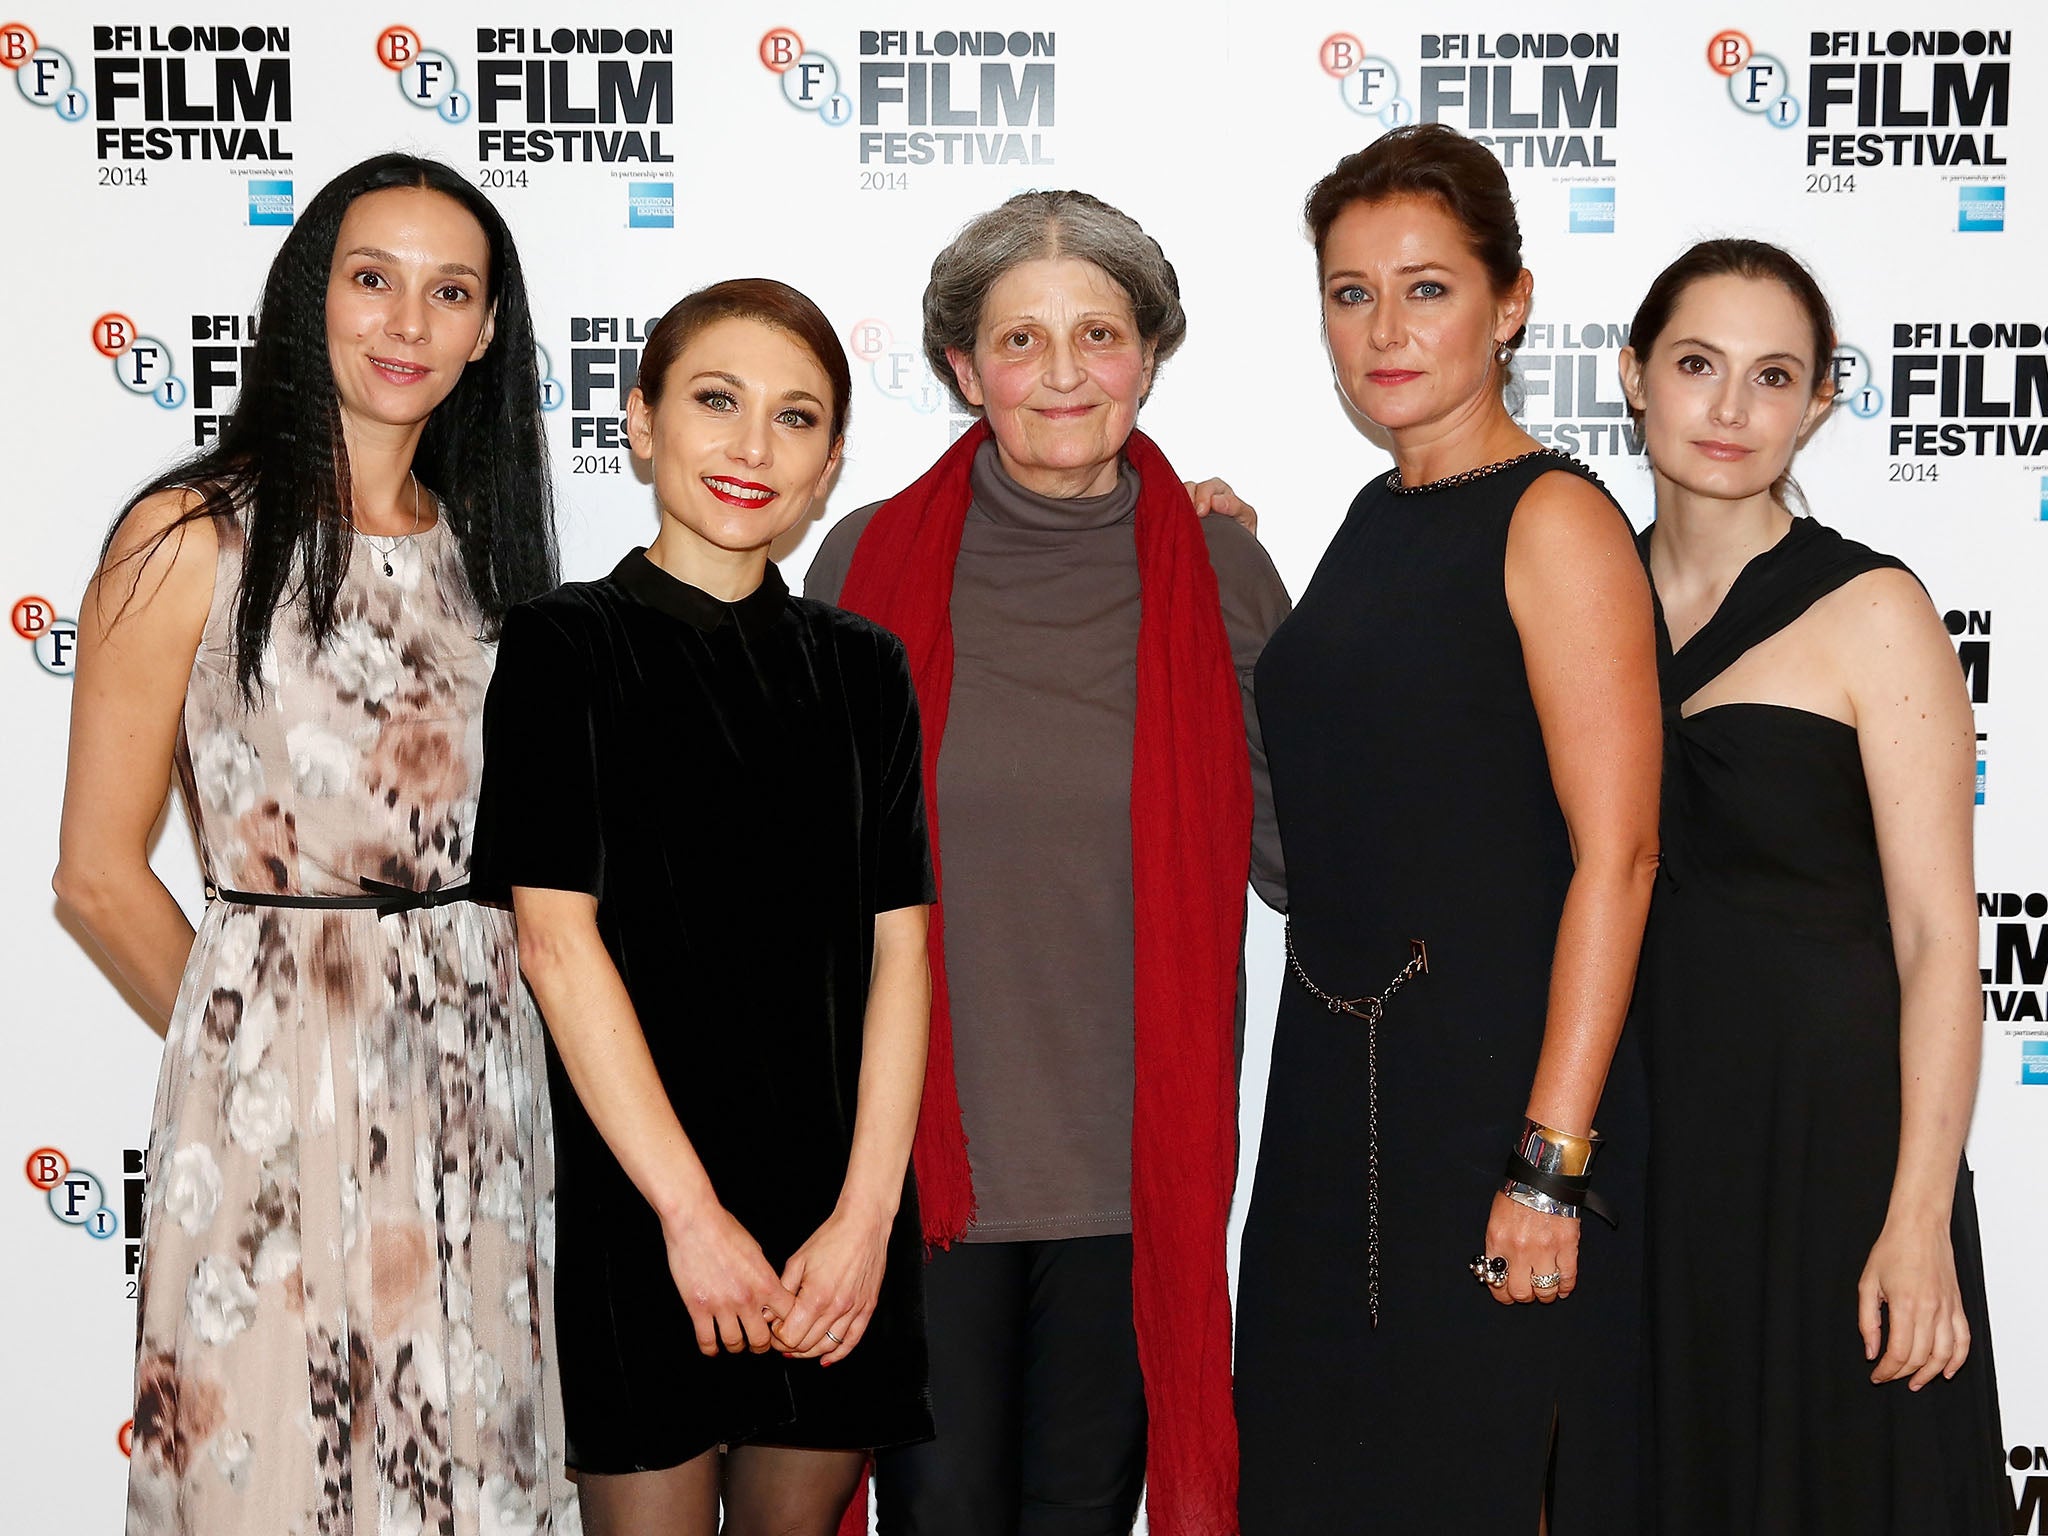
739	786
1770	995
1415	801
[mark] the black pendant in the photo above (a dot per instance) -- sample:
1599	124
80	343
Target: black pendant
387	567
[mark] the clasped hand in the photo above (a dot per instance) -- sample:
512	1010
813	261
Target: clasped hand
817	1308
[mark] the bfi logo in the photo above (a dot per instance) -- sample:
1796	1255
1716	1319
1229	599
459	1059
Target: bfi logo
810	80
427	78
1369	86
74	1196
1758	83
142	364
43	75
52	638
899	374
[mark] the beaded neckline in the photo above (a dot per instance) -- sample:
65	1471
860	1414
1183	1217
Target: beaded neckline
1481	472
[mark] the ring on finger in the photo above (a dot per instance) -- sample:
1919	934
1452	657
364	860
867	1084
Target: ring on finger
834	1337
1549	1282
1490	1271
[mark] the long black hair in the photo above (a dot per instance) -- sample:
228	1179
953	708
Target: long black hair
280	457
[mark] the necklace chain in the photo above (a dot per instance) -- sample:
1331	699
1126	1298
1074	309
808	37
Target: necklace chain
1395	484
397	539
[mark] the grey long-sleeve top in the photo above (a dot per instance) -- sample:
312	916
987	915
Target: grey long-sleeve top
1034	821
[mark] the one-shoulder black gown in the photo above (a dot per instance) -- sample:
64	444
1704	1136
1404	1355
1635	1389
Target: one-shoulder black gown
1415	801
1770	999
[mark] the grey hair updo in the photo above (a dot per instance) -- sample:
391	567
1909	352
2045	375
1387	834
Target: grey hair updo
1047	224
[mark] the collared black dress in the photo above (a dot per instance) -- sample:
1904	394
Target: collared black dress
738	784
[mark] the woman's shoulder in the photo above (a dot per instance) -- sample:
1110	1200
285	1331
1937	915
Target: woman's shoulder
1248	584
825	578
567	616
846	631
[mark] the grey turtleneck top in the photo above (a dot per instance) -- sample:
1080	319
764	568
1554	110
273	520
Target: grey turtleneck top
1034	819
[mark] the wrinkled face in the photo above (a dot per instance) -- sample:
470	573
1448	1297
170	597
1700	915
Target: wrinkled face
1411	316
407	304
1059	369
1730	387
741	442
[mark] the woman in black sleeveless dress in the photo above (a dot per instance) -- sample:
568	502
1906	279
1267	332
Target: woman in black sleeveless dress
1461	722
1820	1349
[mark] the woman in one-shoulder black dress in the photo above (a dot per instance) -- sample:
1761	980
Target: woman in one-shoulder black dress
1792	1182
1461	724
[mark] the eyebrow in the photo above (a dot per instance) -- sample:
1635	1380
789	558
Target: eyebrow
1708	346
448	268
1407	271
1035	318
739	383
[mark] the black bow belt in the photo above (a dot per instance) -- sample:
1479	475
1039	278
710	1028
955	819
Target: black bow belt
382	897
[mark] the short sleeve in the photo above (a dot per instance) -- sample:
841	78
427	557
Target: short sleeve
537	818
903	863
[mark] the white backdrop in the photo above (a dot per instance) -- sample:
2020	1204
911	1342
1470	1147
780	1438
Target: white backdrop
153	158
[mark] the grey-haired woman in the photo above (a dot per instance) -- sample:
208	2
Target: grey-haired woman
1083	646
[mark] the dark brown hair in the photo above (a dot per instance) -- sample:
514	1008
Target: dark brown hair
1756	260
760	299
1429	160
1759	261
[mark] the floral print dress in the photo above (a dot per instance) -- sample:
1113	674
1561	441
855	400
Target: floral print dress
346	1292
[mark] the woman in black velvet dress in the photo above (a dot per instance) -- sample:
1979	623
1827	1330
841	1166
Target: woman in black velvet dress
704	796
1809	988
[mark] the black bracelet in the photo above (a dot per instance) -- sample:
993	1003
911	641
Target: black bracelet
1560	1186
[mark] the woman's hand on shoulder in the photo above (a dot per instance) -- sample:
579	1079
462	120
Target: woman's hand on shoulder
836	1278
1912	1273
731	1292
1216	496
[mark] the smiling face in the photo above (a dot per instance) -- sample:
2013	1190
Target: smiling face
1059	370
1411	315
741	441
1729	387
407	303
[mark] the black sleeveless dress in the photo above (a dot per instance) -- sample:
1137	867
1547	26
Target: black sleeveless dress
1769	996
1414	801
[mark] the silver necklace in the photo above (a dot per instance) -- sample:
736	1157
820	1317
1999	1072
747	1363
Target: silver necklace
397	539
1481	472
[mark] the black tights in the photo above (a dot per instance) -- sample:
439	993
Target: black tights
767	1490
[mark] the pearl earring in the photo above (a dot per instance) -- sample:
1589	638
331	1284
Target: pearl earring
1503	354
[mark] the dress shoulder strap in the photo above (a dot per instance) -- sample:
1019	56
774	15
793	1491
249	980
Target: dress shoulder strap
1773	590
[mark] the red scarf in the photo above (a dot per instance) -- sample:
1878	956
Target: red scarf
1191	808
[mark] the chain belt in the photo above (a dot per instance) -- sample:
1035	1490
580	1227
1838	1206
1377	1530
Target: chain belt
1371	1007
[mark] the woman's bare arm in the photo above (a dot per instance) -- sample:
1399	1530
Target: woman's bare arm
1918	743
730	1290
138	632
837	1274
1581	604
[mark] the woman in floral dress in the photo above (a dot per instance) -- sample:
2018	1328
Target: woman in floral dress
345	1298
